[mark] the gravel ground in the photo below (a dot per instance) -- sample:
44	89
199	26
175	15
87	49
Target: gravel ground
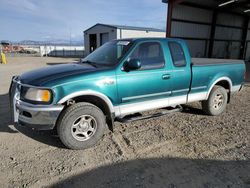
187	149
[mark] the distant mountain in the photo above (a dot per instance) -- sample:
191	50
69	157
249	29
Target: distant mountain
51	42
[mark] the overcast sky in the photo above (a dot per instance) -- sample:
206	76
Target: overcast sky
56	19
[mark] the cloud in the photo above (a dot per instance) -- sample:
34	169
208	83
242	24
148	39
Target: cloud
20	5
58	18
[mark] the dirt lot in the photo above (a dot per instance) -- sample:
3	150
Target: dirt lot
187	149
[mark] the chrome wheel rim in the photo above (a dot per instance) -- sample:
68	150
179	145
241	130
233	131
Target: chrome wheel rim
84	127
218	101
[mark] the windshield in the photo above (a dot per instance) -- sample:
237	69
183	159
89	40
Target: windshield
108	54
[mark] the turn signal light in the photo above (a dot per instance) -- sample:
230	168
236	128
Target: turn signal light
46	96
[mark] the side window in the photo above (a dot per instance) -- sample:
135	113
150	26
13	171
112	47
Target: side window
177	54
150	54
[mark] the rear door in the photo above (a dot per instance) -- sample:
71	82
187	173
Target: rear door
181	72
143	89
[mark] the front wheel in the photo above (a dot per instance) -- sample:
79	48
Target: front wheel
81	125
217	101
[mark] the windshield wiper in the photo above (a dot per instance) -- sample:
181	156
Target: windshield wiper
90	63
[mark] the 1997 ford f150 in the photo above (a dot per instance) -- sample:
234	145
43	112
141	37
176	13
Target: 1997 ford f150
121	78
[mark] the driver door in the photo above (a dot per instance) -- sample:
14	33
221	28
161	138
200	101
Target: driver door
148	87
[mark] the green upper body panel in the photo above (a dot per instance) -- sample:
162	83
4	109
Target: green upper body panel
103	71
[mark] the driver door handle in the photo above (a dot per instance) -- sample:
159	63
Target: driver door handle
166	76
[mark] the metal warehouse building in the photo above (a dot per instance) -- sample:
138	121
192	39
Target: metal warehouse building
98	34
212	28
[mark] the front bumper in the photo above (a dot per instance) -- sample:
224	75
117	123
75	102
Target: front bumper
37	117
40	117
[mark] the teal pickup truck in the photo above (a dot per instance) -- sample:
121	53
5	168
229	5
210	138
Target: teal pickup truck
118	81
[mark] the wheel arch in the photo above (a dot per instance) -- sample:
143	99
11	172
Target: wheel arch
96	98
225	82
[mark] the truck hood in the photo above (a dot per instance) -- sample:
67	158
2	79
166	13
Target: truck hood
42	76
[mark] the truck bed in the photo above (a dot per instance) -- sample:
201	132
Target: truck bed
209	61
205	72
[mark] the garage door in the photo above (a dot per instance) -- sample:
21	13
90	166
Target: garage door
104	38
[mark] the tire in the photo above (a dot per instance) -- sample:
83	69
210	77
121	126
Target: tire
81	126
217	101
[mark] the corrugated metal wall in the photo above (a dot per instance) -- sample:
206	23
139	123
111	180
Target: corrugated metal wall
230	47
248	44
196	35
229	19
125	33
184	12
194	25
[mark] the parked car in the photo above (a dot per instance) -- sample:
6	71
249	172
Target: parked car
121	78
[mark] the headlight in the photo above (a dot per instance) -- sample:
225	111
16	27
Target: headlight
38	95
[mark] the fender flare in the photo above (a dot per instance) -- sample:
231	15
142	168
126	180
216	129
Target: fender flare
218	80
91	93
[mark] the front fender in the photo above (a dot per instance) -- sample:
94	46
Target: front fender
89	93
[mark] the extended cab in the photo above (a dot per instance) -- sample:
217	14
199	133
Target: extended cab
121	78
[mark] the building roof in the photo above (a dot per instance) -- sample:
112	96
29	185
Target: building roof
241	7
125	27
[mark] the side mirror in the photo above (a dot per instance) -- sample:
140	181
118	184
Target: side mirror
132	64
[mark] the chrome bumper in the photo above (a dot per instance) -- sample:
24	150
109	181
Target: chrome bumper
41	117
37	117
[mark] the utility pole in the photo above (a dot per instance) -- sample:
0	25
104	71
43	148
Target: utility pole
70	37
70	42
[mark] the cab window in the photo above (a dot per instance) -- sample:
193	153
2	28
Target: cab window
150	54
177	54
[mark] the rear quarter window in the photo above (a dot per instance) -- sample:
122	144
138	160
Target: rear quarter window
177	54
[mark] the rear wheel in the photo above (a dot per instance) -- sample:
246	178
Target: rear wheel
81	125
217	101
